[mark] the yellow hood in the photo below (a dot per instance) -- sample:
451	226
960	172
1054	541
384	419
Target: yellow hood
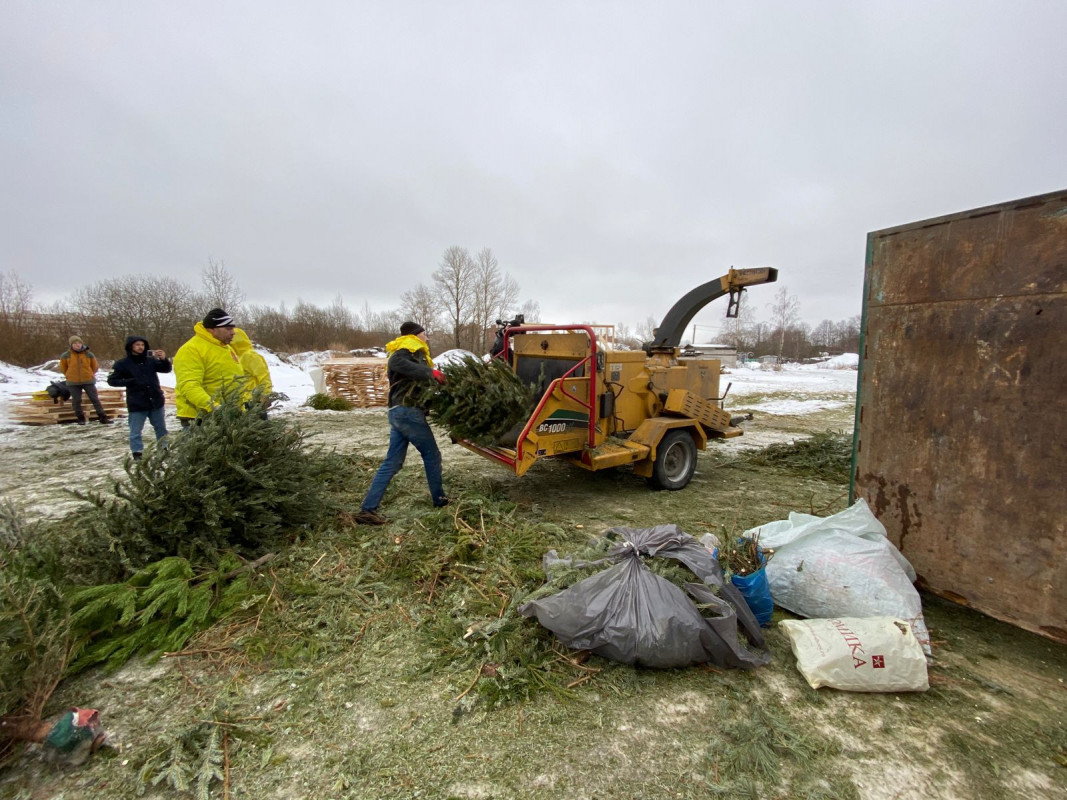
409	342
240	342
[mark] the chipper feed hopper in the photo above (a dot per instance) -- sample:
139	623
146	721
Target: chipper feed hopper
602	408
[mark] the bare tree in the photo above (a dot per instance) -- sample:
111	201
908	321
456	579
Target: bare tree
493	292
423	306
220	287
627	339
20	326
646	331
847	335
16	302
784	313
269	327
822	335
454	281
738	330
161	309
531	311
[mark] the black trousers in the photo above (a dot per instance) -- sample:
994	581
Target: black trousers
76	390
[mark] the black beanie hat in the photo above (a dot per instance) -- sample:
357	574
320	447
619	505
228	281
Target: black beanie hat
217	318
411	329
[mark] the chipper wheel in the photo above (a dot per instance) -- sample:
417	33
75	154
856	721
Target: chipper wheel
676	461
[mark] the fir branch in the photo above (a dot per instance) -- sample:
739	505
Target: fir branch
480	401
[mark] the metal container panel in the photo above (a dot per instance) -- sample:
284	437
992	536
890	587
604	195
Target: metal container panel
961	430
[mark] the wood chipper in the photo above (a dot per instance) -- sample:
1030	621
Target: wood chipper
601	408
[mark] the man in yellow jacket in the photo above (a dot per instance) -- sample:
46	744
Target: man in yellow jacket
204	366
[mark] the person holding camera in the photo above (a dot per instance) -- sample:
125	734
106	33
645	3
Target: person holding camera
139	374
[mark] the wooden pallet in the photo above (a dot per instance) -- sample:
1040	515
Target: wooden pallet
37	408
363	381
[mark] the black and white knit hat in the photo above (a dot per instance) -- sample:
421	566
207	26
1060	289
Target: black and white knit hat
217	318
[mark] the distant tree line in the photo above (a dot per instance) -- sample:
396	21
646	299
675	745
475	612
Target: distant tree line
459	307
784	334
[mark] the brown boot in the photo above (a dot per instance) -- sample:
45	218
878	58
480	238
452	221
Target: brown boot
370	518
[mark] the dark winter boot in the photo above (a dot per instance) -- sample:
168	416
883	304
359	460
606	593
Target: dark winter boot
105	420
137	456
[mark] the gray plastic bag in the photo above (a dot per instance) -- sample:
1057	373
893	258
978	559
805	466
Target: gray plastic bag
627	613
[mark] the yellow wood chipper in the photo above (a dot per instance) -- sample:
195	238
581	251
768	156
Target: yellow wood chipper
601	407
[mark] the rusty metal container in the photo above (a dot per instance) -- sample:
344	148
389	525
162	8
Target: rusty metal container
961	413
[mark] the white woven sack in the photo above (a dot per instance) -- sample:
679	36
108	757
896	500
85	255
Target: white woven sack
858	654
840	566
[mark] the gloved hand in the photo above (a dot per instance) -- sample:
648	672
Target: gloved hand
439	376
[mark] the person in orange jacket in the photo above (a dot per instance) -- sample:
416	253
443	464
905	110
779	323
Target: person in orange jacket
79	367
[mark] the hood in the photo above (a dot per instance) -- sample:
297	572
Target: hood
203	333
409	342
240	342
131	339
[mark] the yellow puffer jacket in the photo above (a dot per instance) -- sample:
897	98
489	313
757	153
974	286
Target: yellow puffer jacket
78	367
203	366
254	365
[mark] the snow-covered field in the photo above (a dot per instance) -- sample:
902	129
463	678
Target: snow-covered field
291	377
39	464
293	381
795	389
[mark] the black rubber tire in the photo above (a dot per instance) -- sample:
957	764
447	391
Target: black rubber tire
676	461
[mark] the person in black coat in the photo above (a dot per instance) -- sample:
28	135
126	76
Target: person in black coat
409	366
139	374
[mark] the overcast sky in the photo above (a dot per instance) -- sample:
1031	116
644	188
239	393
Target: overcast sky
614	155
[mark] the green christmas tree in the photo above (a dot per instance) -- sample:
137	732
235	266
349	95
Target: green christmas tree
480	401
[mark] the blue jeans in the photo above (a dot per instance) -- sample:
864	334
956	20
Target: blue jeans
406	424
137	420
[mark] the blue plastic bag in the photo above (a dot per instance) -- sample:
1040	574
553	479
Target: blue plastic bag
756	590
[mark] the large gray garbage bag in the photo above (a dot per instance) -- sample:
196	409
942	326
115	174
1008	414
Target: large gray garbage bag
628	613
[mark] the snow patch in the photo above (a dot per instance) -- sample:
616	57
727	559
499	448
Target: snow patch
453	356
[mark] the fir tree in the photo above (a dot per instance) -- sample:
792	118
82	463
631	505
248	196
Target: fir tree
237	480
480	401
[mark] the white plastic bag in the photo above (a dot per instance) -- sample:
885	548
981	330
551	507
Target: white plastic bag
877	654
840	566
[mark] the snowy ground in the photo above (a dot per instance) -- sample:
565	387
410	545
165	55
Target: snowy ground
794	390
811	387
39	464
289	379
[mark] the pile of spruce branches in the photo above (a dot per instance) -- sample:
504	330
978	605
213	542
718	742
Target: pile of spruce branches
162	556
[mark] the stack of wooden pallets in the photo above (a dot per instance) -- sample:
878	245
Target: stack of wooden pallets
363	381
37	408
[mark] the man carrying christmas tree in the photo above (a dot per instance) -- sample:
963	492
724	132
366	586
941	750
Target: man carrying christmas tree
409	366
204	366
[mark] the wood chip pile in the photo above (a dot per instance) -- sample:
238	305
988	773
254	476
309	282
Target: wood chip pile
363	381
37	408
